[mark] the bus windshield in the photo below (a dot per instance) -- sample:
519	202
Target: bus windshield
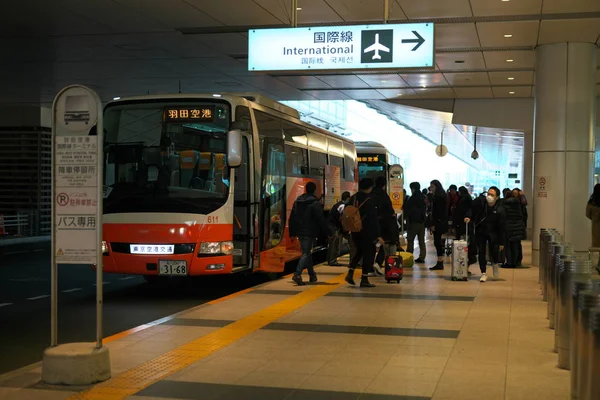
371	166
166	157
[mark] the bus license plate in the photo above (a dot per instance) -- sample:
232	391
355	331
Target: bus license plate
168	267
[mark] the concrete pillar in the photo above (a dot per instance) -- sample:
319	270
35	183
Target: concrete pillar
527	178
563	154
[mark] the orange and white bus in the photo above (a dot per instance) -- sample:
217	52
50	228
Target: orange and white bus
204	184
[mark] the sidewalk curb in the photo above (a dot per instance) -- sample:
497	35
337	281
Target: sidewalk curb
24	240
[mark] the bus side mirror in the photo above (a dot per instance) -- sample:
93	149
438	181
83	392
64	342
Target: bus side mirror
234	148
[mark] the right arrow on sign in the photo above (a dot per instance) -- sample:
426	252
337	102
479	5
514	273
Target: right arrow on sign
419	40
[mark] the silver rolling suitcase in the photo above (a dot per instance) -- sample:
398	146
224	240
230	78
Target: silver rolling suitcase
460	259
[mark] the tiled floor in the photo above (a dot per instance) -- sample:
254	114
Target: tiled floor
426	338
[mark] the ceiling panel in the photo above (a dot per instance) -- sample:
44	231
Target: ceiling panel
344	81
358	10
363	94
435	8
456	36
520	7
472	60
315	11
512	91
435	93
571	6
520	59
304	82
572	30
383	80
327	94
473	93
277	8
246	12
524	33
397	93
174	13
468	79
520	78
425	80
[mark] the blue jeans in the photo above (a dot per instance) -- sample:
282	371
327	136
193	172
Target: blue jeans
306	244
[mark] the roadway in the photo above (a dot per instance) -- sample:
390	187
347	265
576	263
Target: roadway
128	302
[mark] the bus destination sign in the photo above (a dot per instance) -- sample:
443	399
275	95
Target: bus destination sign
205	114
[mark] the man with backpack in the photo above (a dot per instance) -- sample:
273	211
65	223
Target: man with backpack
360	219
335	226
307	222
415	210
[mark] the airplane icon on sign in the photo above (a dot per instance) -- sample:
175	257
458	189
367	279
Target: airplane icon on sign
376	47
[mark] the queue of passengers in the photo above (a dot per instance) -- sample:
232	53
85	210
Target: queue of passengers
496	226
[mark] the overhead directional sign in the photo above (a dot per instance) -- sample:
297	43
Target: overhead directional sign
342	47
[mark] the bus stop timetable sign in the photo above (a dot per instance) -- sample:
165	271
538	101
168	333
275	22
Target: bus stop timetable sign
357	47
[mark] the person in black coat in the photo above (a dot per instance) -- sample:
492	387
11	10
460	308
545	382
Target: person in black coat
307	222
368	237
515	229
490	230
387	222
415	211
439	221
335	227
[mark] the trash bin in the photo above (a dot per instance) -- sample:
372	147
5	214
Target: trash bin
577	286
560	253
594	352
577	268
588	299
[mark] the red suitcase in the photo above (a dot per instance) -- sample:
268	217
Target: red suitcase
394	269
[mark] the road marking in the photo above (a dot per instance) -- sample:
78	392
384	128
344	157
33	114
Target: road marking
38	297
5	304
71	290
126	278
15	252
138	378
104	283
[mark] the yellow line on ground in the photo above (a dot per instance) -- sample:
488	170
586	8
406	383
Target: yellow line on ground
138	378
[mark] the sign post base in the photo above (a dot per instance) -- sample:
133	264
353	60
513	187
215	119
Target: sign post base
75	364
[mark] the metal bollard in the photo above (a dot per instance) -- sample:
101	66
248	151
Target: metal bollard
577	286
588	299
545	235
570	269
561	254
593	346
547	238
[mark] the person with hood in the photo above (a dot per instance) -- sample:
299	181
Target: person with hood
515	229
439	221
388	222
490	230
307	222
368	237
463	205
335	226
415	210
592	212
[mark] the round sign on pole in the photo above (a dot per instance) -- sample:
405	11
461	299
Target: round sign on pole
441	150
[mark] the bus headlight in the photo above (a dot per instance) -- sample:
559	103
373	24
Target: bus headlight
104	248
216	248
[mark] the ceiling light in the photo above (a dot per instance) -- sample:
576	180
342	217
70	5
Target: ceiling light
505	1
511	92
508	36
510	78
298	8
383	81
510	60
216	95
116	98
399	94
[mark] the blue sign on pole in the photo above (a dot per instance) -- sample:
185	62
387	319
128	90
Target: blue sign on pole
359	47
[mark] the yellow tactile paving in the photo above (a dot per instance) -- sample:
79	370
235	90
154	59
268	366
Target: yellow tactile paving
132	381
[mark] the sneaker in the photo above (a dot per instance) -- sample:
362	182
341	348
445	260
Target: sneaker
298	280
496	269
350	277
313	278
483	278
419	261
372	274
364	282
378	269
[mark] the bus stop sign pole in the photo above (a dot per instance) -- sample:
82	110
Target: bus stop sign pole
77	193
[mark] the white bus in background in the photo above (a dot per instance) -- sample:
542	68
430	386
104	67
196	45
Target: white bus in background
374	160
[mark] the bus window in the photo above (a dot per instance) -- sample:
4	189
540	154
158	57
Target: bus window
294	134
296	160
338	162
273	193
317	163
349	166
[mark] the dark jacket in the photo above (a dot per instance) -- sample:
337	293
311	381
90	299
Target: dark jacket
415	209
334	216
307	219
515	226
368	212
460	212
439	214
386	215
489	221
